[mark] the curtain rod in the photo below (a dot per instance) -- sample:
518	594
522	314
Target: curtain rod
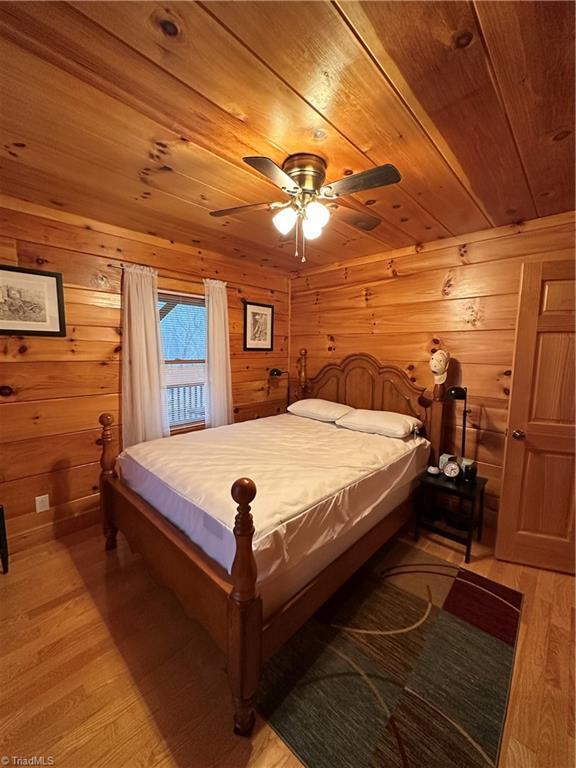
161	290
126	266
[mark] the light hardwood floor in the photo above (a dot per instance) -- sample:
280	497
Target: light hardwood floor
100	667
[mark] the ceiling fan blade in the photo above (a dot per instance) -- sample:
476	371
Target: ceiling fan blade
353	217
358	182
274	173
242	208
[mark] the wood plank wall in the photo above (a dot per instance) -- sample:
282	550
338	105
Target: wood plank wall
61	385
459	294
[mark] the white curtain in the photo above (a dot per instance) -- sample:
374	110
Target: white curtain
144	416
218	374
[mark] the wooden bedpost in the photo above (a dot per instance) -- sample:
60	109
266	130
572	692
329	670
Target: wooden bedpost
302	373
437	423
244	614
107	461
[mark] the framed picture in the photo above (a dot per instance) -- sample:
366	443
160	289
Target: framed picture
258	327
31	302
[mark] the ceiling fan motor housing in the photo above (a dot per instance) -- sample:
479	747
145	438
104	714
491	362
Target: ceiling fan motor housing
308	171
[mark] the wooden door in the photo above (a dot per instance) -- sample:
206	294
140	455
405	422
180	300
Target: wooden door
536	520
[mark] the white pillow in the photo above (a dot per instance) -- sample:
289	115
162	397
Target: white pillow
385	423
321	410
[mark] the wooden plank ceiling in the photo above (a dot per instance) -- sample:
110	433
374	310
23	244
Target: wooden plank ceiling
138	113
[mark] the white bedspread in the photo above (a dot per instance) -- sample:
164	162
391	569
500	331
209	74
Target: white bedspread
319	488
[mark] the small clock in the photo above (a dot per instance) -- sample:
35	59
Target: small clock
451	470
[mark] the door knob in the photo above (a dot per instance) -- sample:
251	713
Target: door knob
519	434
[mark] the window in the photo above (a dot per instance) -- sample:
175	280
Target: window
183	332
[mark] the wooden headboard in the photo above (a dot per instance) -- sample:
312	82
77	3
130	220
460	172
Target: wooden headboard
362	382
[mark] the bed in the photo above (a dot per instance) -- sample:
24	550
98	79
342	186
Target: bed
324	500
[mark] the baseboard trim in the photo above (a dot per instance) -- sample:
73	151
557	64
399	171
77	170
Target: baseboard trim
53	530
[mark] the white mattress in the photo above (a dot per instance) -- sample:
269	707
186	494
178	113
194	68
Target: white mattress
319	488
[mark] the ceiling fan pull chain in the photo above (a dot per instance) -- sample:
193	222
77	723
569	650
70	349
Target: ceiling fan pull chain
303	259
296	240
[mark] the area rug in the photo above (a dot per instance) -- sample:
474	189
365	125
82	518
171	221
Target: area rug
408	666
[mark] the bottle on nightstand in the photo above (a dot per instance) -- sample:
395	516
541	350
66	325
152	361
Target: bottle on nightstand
469	471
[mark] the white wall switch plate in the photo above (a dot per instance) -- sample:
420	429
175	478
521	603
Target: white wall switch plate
42	503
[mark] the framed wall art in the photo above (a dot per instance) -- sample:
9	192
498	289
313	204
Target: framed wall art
31	302
258	327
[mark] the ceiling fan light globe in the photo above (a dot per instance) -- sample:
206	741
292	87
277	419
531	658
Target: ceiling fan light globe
317	214
284	220
310	230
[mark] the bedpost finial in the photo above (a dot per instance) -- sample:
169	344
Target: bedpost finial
107	459
106	419
301	368
107	462
244	613
244	491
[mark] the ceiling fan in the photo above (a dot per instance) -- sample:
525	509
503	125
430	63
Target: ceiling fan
302	177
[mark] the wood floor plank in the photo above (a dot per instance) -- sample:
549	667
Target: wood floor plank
162	699
519	756
99	666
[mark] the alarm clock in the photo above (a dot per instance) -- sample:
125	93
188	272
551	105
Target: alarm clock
451	469
444	458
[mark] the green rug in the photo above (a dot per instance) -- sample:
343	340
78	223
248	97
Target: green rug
408	666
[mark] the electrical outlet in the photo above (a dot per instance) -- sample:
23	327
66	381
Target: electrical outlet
42	503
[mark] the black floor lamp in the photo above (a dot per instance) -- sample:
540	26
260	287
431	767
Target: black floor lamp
460	393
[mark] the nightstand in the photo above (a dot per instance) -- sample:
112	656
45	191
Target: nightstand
470	514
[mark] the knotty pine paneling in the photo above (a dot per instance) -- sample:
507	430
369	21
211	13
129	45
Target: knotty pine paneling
148	130
48	425
460	294
35	527
553	235
41	418
72	347
44	381
492	279
493	346
539	104
8	253
482	312
63	484
34	456
449	86
70	232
